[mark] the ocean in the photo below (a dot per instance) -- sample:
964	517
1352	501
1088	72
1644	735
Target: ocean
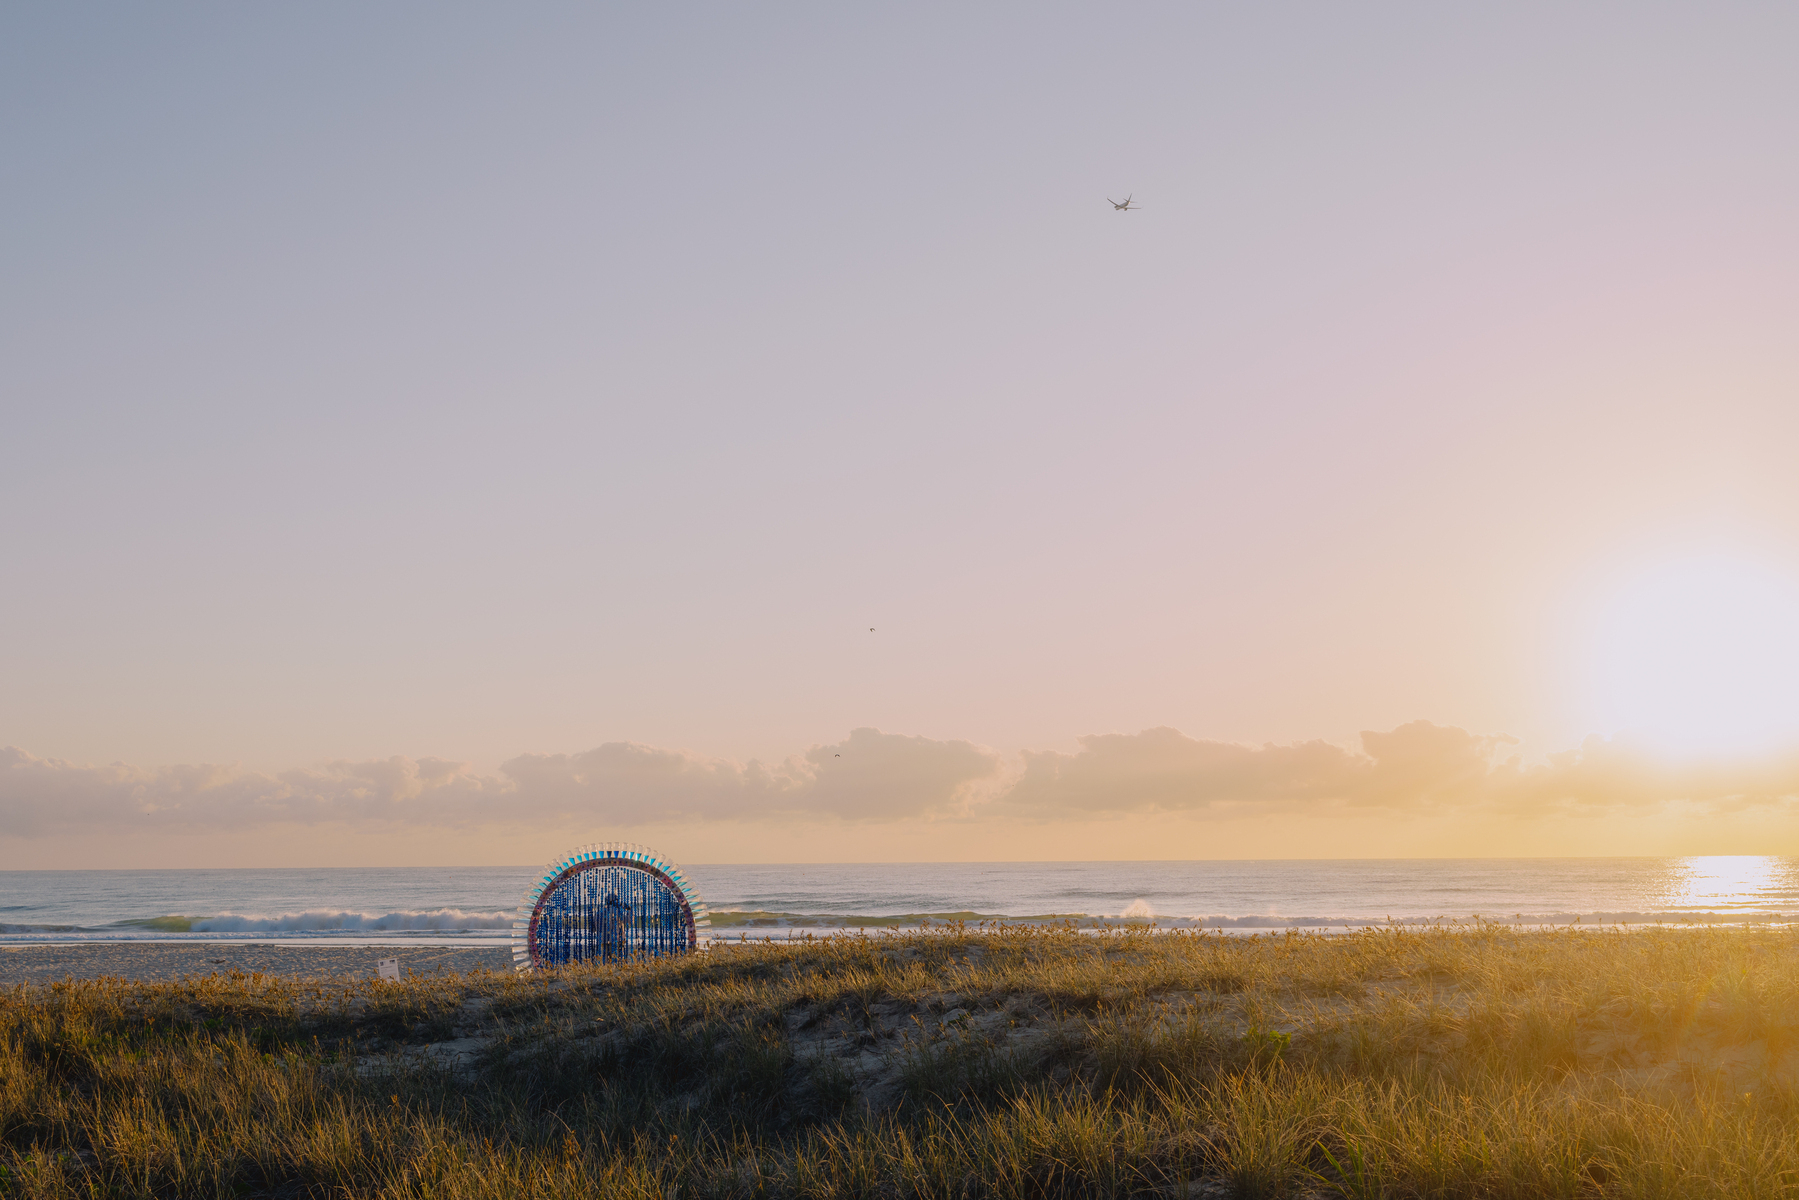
476	905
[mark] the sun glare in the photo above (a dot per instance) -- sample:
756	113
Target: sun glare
1702	657
1721	882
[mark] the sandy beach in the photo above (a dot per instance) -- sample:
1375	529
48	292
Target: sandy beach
162	962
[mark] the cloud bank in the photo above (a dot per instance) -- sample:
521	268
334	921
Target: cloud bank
872	776
1162	770
1414	768
869	776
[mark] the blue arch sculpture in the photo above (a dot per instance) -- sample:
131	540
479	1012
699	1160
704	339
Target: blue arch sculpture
609	902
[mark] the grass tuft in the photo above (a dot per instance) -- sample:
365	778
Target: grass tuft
961	1062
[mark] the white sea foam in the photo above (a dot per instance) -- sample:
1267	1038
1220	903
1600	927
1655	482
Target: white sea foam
440	920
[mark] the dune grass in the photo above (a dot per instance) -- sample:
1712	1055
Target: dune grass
962	1062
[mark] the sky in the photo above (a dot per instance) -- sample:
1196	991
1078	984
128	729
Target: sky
431	433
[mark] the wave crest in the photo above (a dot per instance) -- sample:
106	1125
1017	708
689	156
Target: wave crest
439	920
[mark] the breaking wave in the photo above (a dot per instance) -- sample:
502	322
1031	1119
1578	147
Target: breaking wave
439	920
314	923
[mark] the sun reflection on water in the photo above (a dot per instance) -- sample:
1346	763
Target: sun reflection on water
1730	881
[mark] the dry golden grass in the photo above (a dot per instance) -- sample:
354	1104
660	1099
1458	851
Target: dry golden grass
1478	1061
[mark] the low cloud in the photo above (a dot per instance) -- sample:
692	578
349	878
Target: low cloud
869	776
872	776
1606	775
1416	767
39	795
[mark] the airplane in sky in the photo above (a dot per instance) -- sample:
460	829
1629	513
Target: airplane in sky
1127	206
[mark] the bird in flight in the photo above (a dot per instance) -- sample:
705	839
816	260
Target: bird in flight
871	629
1126	206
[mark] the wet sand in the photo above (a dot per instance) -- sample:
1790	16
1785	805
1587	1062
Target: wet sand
165	962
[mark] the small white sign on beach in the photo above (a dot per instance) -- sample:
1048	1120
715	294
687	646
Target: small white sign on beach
388	968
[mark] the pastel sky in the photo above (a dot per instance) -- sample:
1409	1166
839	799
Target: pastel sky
431	433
